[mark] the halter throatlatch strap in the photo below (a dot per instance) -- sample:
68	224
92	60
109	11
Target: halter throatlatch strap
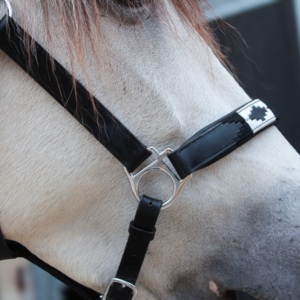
106	128
222	137
141	232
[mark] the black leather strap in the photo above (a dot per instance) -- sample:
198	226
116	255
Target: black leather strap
222	137
141	232
204	148
5	252
108	130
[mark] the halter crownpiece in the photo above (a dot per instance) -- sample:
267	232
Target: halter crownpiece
205	147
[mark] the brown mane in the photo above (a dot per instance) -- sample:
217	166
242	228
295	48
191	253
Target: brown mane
76	18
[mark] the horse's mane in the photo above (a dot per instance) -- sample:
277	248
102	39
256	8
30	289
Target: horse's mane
80	20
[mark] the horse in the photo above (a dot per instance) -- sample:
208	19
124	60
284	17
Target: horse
65	198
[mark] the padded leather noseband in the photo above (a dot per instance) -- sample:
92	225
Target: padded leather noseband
204	148
221	137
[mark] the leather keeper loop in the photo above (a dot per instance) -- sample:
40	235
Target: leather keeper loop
140	233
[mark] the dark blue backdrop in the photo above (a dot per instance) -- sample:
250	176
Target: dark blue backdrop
269	68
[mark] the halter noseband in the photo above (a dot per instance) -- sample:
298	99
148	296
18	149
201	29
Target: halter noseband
204	148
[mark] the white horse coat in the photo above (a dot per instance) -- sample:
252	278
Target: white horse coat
236	224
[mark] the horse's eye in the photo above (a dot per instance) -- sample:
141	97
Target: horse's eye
128	11
130	3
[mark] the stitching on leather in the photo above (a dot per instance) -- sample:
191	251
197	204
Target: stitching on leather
247	105
230	118
242	135
253	103
263	123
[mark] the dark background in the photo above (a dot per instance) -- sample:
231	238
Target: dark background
268	67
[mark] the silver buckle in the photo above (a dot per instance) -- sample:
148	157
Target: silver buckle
124	284
158	164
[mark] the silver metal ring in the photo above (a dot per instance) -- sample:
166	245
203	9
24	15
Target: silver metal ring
159	165
8	8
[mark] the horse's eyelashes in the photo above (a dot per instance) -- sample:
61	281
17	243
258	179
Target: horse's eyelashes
130	3
128	11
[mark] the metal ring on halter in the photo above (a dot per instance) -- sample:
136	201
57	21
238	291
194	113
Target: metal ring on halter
8	8
159	165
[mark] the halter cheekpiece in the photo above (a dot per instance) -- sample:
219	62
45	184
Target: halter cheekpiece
204	148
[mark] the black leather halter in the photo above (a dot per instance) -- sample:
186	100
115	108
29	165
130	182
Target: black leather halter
204	148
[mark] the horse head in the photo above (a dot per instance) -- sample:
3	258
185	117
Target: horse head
236	223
